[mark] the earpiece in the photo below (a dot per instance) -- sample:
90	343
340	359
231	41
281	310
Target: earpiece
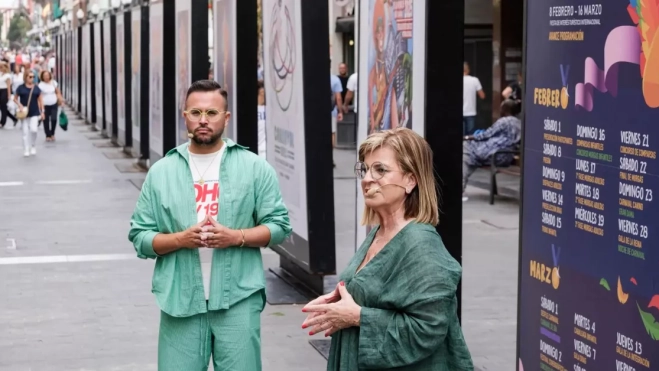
371	192
190	135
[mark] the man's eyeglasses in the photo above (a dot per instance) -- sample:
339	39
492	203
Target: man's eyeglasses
378	170
212	115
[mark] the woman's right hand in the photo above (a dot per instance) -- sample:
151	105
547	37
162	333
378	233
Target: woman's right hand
332	297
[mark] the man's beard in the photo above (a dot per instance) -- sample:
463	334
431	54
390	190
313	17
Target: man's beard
208	141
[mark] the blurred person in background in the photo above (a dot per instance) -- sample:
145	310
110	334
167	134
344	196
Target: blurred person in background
52	99
504	134
28	100
16	81
471	87
514	92
5	93
17	77
51	63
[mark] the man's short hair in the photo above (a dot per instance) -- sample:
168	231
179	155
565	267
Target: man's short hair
507	107
206	86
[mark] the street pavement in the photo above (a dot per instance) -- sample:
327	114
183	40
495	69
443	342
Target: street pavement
73	296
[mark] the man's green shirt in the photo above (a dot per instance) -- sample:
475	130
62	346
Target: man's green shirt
249	196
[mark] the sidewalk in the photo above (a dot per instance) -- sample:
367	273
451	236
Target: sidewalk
75	296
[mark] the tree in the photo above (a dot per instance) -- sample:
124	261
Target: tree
18	27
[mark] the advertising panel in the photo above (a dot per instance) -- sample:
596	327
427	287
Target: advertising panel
87	62
135	67
392	42
121	80
108	75
285	149
155	78
225	57
588	293
183	63
98	91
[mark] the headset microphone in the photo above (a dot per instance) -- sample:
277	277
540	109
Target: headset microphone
371	192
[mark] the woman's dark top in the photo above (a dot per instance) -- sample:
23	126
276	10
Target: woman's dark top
23	93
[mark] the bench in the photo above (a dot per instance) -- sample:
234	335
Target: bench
514	169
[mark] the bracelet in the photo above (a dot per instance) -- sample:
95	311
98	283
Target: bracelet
243	232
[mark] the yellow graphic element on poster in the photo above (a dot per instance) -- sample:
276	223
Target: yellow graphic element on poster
555	278
645	15
565	97
622	296
545	273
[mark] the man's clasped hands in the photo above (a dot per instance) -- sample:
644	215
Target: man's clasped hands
209	233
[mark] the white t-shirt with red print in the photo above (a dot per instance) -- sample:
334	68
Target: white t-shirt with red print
207	195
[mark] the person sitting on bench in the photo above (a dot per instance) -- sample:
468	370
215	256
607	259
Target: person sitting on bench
478	148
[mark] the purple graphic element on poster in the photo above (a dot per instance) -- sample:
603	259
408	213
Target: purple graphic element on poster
622	45
588	294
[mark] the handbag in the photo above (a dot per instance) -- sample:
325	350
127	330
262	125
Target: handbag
21	113
63	120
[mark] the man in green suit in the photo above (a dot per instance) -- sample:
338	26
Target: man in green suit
203	212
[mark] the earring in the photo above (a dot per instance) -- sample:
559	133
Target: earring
190	135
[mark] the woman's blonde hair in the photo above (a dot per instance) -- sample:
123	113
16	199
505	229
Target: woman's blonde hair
26	72
414	157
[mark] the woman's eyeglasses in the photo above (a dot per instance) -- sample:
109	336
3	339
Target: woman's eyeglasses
212	115
378	170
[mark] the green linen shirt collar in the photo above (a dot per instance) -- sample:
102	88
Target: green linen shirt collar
183	148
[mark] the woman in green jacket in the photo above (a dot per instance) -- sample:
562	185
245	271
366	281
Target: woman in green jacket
395	306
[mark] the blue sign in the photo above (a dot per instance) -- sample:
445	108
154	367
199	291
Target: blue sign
589	290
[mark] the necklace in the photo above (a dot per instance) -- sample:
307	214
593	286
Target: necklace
201	176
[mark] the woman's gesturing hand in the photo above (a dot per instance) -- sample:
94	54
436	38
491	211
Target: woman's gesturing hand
332	297
332	316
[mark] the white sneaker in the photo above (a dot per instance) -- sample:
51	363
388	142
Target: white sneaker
33	151
26	153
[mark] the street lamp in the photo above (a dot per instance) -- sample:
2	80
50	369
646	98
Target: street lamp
115	4
80	14
126	2
95	9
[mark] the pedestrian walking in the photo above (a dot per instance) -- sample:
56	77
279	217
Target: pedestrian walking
16	81
30	111
5	93
208	278
52	99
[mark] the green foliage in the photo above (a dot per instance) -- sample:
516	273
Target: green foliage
18	27
651	326
605	284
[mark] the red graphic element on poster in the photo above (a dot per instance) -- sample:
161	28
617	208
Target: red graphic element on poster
645	14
